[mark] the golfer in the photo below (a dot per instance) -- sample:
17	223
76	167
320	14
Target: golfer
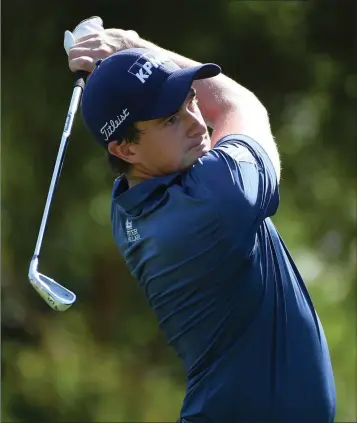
191	215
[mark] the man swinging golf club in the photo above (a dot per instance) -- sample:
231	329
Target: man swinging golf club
191	217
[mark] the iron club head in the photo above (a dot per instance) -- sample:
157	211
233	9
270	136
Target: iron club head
56	296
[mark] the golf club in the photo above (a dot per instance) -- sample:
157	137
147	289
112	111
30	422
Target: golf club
56	296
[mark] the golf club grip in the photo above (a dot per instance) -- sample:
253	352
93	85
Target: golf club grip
80	78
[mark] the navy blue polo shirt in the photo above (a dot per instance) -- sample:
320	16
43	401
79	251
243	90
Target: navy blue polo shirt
225	289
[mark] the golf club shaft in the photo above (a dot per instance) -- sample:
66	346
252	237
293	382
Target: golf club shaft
73	107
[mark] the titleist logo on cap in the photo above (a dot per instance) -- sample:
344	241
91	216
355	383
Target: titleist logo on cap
109	127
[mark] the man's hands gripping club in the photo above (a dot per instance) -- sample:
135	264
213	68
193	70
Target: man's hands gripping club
88	49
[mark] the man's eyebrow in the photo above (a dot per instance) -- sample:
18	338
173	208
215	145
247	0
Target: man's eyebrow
191	94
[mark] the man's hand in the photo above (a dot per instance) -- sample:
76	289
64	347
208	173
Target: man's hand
89	49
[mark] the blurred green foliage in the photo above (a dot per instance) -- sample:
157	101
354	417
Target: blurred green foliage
104	359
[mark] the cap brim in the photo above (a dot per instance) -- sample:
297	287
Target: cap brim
175	89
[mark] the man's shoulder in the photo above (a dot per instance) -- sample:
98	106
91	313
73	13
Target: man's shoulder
228	152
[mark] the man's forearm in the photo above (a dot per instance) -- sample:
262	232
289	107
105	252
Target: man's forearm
216	96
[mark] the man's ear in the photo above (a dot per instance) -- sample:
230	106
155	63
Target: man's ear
125	151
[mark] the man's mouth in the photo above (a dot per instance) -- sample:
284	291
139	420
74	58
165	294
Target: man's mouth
198	145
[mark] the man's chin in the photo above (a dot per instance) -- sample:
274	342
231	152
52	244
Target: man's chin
190	161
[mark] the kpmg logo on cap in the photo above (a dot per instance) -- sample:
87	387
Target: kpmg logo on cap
142	68
109	127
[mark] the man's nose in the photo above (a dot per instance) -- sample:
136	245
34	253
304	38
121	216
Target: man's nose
197	126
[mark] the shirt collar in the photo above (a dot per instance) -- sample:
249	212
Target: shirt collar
128	199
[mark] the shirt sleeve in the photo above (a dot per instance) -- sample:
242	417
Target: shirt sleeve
239	177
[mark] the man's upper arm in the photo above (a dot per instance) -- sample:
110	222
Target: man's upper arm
239	177
246	115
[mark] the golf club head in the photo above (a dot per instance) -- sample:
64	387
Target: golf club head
56	296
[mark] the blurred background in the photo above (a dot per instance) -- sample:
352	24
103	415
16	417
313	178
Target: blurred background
104	359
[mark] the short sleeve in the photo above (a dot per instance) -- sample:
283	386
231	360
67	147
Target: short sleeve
239	177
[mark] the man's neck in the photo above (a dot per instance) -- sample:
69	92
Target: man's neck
133	181
134	178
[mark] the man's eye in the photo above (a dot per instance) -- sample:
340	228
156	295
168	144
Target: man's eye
194	101
172	120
